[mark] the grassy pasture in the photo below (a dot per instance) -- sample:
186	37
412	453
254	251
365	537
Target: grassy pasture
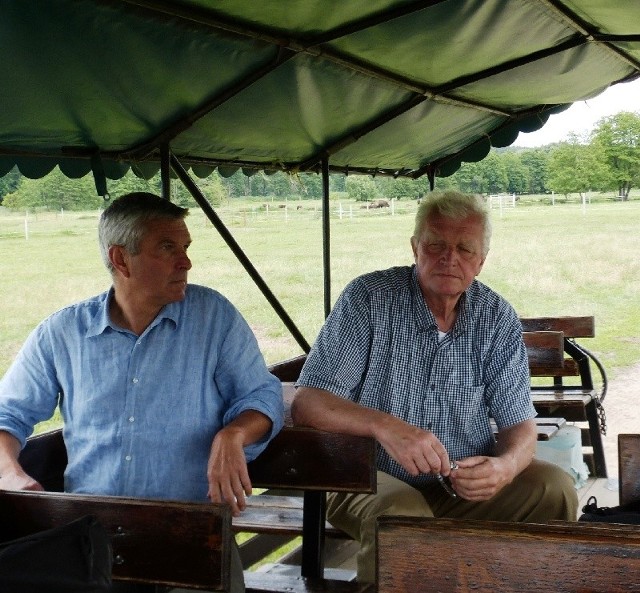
564	259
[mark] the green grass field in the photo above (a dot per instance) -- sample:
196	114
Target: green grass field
564	259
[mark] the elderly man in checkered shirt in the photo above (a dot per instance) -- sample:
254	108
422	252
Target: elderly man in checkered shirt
421	358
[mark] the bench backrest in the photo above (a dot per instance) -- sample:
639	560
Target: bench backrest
303	459
453	555
576	359
629	467
571	327
153	541
545	353
297	459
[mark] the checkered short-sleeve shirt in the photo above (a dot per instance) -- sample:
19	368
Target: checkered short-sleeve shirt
379	347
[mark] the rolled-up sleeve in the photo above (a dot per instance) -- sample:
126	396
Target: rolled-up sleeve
243	376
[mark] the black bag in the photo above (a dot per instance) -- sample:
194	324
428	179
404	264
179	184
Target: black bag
75	557
624	513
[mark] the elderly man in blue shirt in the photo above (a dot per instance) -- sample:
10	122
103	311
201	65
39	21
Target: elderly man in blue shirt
421	358
161	386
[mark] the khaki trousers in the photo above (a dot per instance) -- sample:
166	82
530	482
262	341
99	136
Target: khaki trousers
541	493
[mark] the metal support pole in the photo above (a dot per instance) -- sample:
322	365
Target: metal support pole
165	171
202	201
313	519
326	237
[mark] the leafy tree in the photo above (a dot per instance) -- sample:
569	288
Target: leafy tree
9	183
132	183
470	178
619	138
536	162
576	167
213	189
494	171
310	185
55	191
402	187
517	172
361	188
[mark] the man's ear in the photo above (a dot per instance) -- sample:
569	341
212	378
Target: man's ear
414	247
119	258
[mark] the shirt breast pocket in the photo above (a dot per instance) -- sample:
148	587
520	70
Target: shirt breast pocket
465	403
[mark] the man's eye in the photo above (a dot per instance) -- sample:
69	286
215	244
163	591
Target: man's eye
435	247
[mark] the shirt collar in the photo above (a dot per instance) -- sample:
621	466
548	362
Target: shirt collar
101	320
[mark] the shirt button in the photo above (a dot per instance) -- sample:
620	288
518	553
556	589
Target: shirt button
135	380
131	418
128	457
432	387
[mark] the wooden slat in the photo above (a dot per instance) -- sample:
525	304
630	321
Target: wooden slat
153	541
629	467
546	355
501	557
546	427
572	327
545	348
309	459
276	514
276	583
288	370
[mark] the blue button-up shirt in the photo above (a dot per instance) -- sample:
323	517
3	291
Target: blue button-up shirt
380	347
140	412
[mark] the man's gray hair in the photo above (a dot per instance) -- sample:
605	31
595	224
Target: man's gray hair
124	221
455	205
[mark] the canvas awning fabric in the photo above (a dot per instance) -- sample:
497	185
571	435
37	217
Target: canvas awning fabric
392	87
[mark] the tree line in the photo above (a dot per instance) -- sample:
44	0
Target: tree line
606	160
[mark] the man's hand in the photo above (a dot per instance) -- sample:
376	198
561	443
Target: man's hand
12	476
480	478
18	480
417	451
227	470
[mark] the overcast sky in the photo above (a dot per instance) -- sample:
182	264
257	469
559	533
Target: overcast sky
581	117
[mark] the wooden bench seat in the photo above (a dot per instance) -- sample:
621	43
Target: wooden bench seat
546	427
153	541
554	354
280	514
454	555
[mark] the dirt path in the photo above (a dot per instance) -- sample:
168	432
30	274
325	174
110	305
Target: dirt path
622	407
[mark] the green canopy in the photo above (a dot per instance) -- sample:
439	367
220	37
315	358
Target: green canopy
392	87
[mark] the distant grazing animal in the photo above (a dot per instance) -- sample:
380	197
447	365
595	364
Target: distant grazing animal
379	204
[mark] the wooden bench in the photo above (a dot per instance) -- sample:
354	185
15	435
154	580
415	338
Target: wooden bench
300	461
416	555
569	391
153	541
629	467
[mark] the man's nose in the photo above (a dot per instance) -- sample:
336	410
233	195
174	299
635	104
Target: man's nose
184	262
448	254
